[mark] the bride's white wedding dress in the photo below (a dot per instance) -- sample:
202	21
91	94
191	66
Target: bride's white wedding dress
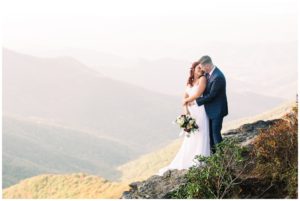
198	142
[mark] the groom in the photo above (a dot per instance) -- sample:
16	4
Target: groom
214	99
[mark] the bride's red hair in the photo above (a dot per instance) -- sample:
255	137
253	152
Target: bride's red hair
192	72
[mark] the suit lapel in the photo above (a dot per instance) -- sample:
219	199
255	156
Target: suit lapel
211	78
213	74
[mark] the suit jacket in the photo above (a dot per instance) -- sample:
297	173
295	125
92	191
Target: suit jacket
214	97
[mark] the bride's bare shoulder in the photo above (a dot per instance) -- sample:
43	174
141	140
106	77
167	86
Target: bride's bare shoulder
202	79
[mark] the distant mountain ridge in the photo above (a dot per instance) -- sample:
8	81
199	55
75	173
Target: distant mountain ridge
31	149
53	97
66	93
65	101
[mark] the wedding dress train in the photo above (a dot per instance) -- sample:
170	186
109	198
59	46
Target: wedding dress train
197	144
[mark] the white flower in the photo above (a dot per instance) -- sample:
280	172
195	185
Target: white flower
191	122
181	122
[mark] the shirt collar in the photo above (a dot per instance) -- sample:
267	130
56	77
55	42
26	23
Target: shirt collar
210	73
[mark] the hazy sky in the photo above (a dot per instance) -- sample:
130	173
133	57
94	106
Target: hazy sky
149	28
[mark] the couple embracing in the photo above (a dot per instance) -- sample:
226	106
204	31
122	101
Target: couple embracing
206	101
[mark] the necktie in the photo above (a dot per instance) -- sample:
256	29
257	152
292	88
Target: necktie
207	76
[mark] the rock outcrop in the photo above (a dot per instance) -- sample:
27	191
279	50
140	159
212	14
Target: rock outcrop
159	187
156	187
247	132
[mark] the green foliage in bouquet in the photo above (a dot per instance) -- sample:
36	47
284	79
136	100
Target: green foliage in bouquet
187	123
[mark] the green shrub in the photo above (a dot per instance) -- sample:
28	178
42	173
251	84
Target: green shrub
218	178
275	152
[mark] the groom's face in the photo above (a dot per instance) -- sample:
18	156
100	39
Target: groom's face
205	67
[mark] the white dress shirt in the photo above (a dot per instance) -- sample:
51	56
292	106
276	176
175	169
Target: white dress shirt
210	73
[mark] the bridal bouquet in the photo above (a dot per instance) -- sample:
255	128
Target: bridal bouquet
187	124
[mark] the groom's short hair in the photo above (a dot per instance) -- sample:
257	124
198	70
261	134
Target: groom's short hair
205	60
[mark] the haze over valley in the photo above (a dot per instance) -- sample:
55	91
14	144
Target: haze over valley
92	86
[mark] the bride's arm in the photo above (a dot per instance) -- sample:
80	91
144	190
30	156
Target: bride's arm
185	110
185	96
200	90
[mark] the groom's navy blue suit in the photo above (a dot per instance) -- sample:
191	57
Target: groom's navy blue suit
215	103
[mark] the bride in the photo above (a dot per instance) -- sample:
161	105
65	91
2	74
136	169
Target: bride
198	142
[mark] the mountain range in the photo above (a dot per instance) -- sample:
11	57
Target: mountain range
61	116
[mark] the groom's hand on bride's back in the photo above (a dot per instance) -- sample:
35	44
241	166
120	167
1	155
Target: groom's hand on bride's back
191	103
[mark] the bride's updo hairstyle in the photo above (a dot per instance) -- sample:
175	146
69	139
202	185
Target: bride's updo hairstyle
192	72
